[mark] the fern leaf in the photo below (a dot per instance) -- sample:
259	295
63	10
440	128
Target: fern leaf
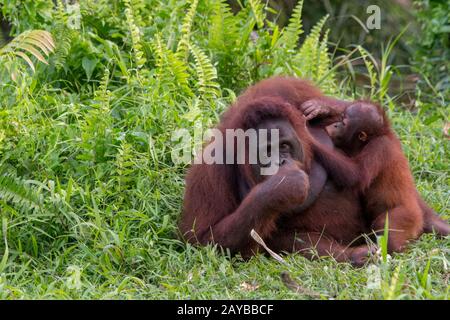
45	38
26	58
35	43
14	190
258	12
324	63
102	94
223	28
207	74
294	29
306	61
171	71
183	44
135	32
33	51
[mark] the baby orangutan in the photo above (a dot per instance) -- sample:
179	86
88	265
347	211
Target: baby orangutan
364	134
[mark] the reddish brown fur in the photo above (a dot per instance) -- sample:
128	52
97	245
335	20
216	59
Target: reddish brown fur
387	184
214	212
212	190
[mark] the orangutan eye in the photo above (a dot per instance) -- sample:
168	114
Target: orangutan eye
284	147
362	136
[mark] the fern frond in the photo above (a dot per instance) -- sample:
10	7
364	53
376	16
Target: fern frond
294	29
124	165
102	94
135	32
258	12
308	57
223	28
207	74
63	34
171	71
138	6
60	12
324	64
35	43
16	191
183	44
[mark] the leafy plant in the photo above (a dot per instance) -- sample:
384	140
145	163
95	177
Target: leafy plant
33	43
16	191
432	57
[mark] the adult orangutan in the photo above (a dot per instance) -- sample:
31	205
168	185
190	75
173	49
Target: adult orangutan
297	208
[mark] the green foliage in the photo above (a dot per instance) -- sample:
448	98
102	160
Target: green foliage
370	63
36	43
186	27
432	58
258	12
207	75
171	72
15	191
89	195
380	72
348	27
135	33
223	26
312	60
294	29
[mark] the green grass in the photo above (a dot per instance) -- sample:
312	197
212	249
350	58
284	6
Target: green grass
90	198
132	254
